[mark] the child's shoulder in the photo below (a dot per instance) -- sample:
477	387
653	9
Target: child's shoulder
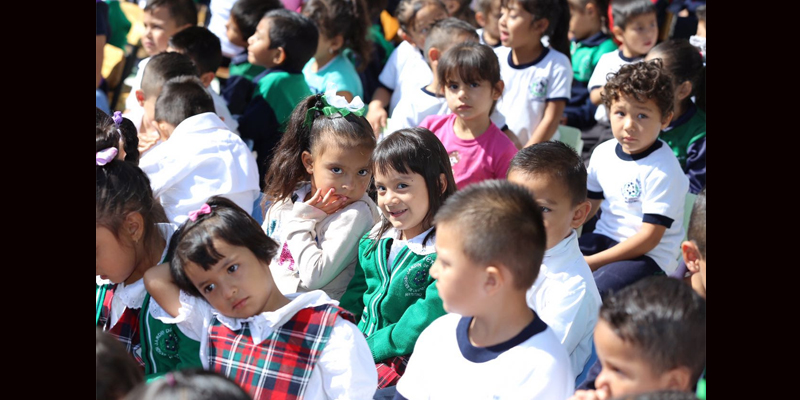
434	123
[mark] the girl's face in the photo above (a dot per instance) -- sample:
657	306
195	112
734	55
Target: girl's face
518	28
470	100
239	285
115	259
346	170
403	200
423	21
234	34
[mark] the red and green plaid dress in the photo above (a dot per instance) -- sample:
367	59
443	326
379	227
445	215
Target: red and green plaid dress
126	330
280	366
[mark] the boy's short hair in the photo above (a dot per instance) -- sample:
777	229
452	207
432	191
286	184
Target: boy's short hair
444	33
248	13
500	223
484	6
623	10
298	35
700	12
643	80
201	45
697	223
556	160
180	98
163	67
665	319
182	11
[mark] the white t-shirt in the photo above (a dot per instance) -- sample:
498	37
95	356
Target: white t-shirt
405	71
529	87
221	108
445	365
414	107
646	187
608	63
566	298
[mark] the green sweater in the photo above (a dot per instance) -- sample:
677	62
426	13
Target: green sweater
395	303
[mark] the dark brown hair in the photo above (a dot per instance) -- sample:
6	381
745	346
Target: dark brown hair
643	80
348	18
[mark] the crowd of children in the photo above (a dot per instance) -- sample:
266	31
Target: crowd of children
262	232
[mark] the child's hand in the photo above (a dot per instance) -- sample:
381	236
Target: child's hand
147	140
330	203
599	394
376	115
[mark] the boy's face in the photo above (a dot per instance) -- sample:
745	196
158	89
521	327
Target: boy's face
636	124
640	34
234	34
458	279
159	26
581	21
492	26
425	18
258	51
558	213
624	372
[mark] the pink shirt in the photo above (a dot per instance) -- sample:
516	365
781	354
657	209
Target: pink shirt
474	160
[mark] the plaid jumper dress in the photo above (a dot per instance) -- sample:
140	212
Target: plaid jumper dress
126	330
279	367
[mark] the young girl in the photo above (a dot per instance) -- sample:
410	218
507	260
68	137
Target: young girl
469	75
131	237
128	140
391	290
219	290
342	24
541	76
686	134
406	68
461	9
317	184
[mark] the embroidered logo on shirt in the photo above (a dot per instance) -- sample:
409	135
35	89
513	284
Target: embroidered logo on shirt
539	88
167	343
286	259
454	157
416	277
632	191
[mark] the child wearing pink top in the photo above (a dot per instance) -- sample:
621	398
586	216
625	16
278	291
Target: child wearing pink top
469	74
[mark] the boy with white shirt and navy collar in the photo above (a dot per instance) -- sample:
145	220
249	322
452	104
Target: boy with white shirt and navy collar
564	294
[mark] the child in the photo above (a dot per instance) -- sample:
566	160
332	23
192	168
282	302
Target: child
317	184
588	43
203	48
284	41
650	336
126	150
636	181
342	24
686	134
487	16
391	291
461	9
406	67
635	26
195	384
115	372
539	78
162	19
249	331
564	295
418	104
694	248
199	156
131	237
470	77
490	242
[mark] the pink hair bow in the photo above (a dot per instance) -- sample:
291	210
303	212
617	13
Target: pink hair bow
205	209
105	156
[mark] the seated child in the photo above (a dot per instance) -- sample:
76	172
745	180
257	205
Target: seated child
283	42
194	384
203	48
490	242
487	16
694	248
428	100
650	336
128	141
200	157
636	181
244	18
686	134
116	373
469	75
413	178
635	26
248	330
588	43
564	295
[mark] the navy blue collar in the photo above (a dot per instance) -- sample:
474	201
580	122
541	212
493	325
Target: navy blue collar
275	69
628	59
240	58
428	92
530	64
638	156
484	354
687	115
595	40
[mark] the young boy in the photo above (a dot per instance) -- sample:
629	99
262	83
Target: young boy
636	181
660	345
588	44
487	15
162	19
204	49
694	248
635	26
200	157
564	295
418	104
490	242
283	42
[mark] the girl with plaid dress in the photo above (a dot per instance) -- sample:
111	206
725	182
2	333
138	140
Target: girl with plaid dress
219	290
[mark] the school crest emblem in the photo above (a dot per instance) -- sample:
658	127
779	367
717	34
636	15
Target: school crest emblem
632	191
416	277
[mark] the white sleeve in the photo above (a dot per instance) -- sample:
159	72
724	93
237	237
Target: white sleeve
559	384
592	182
413	384
402	116
346	366
598	78
665	193
389	74
221	108
560	86
193	317
567	314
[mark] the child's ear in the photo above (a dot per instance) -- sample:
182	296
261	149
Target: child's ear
280	56
139	96
480	18
683	90
308	162
666	120
405	36
580	213
336	43
443	182
678	378
494	279
133	225
542	25
691	256
498	90
618	32
434	54
207	78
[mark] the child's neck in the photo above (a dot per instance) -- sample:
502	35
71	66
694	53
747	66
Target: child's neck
503	323
471	129
149	259
321	61
528	53
628	53
490	40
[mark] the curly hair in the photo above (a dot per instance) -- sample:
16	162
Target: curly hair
644	81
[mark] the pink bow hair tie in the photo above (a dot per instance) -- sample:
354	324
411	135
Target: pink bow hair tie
205	209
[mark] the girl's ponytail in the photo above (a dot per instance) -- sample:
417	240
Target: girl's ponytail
559	27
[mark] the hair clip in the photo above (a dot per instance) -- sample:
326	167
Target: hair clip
117	118
333	103
105	156
205	209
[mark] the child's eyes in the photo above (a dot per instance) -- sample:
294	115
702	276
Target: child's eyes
233	268
336	170
545	209
641	116
208	288
380	188
363	172
402	186
452	86
474	85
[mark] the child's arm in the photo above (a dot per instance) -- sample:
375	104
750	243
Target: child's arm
646	239
346	365
353	298
513	137
549	124
594	95
376	113
158	282
559	90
